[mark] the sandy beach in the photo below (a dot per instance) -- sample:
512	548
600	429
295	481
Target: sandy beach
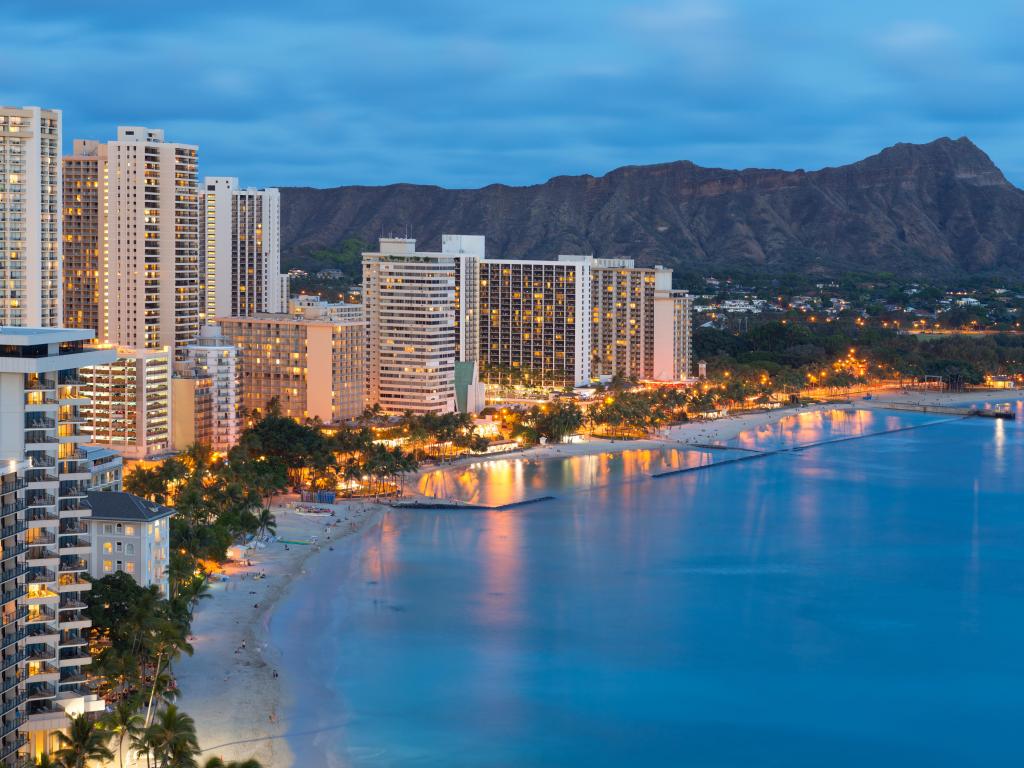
230	685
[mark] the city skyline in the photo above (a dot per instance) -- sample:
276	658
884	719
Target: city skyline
468	96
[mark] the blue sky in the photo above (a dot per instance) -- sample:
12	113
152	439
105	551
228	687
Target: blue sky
463	93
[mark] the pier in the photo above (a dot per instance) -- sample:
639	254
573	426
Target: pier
950	410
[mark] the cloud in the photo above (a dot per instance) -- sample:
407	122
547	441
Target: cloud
464	93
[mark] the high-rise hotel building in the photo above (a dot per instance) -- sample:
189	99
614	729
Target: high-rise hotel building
84	207
211	357
535	322
240	231
312	368
46	472
30	218
409	298
150	292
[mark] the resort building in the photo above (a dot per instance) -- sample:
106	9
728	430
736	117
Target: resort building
30	220
130	535
45	632
150	273
84	206
409	300
130	408
192	406
211	356
673	335
535	322
240	231
312	368
106	468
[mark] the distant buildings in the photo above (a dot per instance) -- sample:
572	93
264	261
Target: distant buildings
130	535
240	231
409	299
84	210
106	468
313	368
30	218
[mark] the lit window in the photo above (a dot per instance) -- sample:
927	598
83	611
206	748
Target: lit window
107	566
107	547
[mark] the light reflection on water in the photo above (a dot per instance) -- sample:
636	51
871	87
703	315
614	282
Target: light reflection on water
856	604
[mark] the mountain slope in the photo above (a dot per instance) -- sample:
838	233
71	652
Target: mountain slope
941	208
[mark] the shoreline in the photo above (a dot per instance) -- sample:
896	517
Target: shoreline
229	685
231	691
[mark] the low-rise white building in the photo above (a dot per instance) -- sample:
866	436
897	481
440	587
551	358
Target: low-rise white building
130	534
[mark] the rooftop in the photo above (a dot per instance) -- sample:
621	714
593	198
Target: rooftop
117	505
18	336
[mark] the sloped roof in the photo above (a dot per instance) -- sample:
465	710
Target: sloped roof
117	505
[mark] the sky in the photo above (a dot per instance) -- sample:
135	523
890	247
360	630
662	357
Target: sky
463	93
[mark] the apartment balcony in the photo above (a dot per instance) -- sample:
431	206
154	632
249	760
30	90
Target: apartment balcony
39	479
40	518
41	538
41	652
11	703
10	682
13	592
10	574
18	527
13	617
39	614
41	691
42	633
41	576
74	545
9	750
38	438
12	638
40	460
11	487
7	729
35	421
70	525
75	508
72	582
73	565
12	660
40	385
74	657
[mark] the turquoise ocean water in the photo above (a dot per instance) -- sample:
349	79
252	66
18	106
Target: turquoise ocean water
855	603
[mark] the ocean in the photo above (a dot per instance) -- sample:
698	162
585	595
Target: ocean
856	602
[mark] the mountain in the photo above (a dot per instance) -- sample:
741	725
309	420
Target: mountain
936	209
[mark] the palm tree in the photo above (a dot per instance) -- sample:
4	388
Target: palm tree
267	522
168	642
45	761
83	743
124	721
172	739
216	762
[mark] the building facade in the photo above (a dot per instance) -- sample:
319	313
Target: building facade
44	544
535	322
240	231
211	356
151	288
30	217
673	339
130	403
130	535
409	300
192	405
106	468
312	368
83	219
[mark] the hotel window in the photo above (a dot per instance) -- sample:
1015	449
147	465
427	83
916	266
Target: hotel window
107	566
119	546
107	547
130	567
129	530
129	549
108	528
120	565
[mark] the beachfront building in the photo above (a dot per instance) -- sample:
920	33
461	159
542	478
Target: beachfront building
30	219
106	468
130	408
150	271
130	535
192	406
44	553
673	335
240	231
211	356
409	299
84	207
535	321
312	368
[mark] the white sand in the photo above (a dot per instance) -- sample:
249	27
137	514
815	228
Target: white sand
231	692
235	698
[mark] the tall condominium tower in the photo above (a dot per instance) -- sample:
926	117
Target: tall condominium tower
30	220
241	250
84	206
535	322
46	475
150	290
410	322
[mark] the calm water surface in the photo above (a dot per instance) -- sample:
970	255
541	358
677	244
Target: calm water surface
851	604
